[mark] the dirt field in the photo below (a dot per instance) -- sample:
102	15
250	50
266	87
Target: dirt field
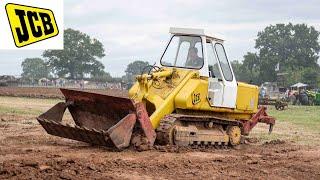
53	93
26	151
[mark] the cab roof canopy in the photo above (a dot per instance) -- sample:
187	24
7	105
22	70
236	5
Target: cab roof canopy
192	31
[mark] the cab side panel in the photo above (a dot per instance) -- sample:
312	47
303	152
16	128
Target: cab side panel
247	97
193	95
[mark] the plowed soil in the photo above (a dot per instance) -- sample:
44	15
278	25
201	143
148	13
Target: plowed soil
27	152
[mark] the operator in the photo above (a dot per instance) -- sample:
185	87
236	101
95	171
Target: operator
194	61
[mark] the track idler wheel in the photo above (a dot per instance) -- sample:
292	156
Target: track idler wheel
234	133
165	132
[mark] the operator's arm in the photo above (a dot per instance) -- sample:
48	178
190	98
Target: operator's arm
188	63
198	63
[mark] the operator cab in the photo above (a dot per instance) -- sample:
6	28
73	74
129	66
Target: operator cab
194	49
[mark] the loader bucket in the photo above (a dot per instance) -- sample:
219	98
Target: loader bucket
99	119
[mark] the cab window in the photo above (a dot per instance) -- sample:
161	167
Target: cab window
183	51
222	57
212	62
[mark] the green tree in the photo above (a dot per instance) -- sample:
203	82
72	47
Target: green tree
236	66
79	56
34	69
248	69
136	68
240	73
251	68
311	76
293	47
133	69
102	77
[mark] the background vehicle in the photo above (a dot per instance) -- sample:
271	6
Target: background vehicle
271	94
301	94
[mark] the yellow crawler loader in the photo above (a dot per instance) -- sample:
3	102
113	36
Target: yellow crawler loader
189	98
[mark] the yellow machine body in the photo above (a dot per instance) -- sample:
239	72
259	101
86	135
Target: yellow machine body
190	97
175	89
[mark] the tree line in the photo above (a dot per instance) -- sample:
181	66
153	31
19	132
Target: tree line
283	51
78	60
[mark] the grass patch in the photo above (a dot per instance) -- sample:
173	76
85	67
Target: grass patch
307	117
297	124
28	100
19	111
25	106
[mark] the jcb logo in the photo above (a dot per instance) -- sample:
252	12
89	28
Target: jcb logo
30	24
195	98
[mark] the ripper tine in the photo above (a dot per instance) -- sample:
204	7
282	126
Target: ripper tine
270	128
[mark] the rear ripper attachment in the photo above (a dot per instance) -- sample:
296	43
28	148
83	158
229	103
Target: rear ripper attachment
99	120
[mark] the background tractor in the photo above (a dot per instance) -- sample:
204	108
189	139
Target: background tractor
271	94
189	98
302	94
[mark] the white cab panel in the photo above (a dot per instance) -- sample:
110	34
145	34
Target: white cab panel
215	92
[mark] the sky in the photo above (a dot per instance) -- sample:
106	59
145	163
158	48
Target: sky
139	30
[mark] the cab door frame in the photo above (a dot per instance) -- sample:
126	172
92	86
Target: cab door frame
230	86
221	92
215	85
